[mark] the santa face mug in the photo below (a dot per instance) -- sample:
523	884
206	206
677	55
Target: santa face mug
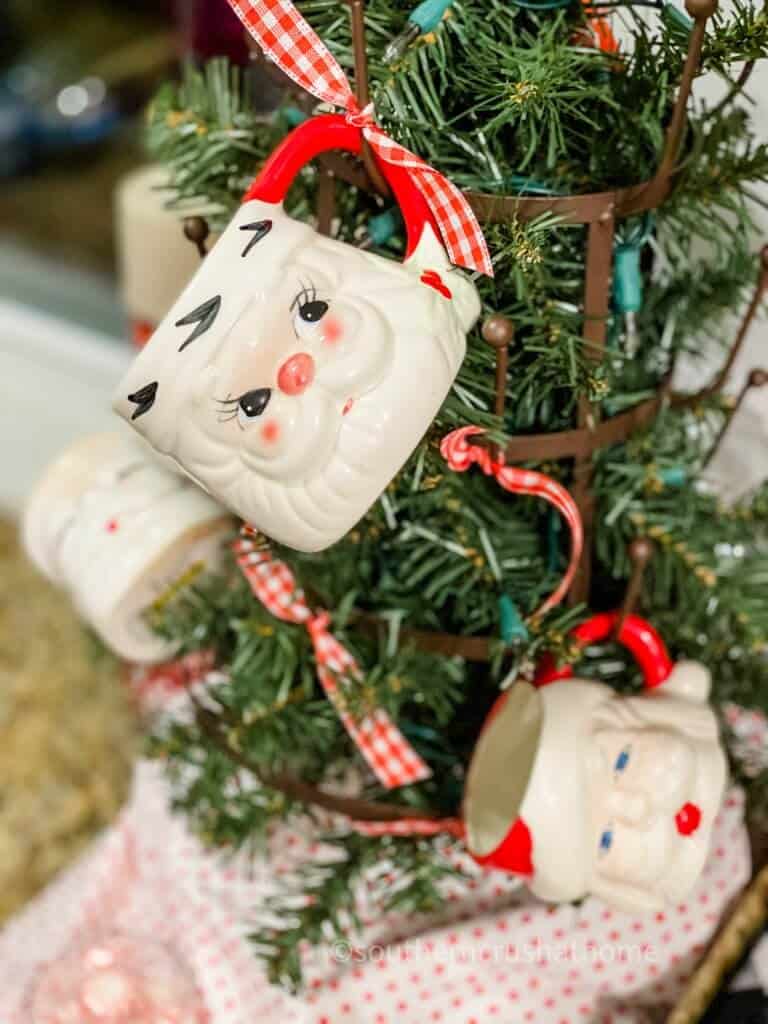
296	374
583	791
117	529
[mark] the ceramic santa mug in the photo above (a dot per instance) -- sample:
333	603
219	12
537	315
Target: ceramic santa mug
296	373
116	528
582	791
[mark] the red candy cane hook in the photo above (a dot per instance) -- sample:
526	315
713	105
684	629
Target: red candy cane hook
460	453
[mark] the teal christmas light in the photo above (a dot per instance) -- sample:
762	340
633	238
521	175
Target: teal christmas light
293	116
628	280
422	19
511	625
673	476
383	226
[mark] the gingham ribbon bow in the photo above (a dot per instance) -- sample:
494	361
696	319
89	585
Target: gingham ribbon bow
390	756
285	36
460	454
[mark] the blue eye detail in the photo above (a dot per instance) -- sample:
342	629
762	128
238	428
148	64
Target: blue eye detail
606	840
622	760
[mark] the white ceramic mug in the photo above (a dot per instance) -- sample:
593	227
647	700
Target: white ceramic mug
296	373
115	527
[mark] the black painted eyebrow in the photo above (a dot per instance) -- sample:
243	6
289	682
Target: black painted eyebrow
260	229
203	317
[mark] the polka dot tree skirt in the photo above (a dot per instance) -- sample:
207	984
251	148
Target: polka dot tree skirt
495	954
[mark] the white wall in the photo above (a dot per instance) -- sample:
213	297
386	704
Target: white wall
56	381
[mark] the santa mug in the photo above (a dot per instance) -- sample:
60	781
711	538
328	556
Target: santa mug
296	373
116	528
583	791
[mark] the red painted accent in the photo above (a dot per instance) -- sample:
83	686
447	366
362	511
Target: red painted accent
325	133
270	431
347	406
111	526
333	329
514	853
433	280
688	819
637	635
296	374
141	332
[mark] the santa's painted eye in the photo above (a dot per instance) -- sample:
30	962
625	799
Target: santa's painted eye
308	309
622	760
203	317
606	840
311	312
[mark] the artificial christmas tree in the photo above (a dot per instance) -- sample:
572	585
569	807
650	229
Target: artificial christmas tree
615	215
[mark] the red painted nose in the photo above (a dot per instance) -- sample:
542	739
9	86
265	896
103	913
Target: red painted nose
688	819
296	374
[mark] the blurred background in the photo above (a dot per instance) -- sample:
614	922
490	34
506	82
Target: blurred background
77	291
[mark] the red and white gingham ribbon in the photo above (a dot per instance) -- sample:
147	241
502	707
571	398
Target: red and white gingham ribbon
460	454
285	36
391	757
411	827
153	684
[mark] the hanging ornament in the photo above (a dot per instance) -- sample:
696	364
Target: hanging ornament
117	529
296	374
582	791
423	19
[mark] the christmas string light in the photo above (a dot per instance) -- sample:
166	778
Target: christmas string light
628	279
423	19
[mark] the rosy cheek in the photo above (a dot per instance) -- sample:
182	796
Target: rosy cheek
296	374
333	330
270	432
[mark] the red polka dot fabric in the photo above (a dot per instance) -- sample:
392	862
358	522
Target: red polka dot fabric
493	954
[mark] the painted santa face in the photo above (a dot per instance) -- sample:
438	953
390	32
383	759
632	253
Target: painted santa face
655	785
295	374
113	526
632	783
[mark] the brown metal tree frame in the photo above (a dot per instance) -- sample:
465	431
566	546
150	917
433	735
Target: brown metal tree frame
599	211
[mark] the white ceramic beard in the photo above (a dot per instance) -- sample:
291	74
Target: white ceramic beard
378	344
549	758
116	529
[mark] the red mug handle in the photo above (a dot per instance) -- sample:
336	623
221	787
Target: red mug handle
320	135
637	635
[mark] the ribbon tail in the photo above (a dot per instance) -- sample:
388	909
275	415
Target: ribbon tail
468	247
390	756
287	37
453	216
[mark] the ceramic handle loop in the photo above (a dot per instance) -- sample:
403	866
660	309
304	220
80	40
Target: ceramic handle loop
323	134
637	635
